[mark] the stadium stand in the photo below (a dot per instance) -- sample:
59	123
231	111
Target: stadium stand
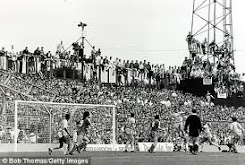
141	88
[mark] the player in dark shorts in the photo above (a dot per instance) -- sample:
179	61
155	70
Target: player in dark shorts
82	133
155	127
193	127
64	136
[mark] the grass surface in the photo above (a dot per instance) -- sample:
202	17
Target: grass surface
143	158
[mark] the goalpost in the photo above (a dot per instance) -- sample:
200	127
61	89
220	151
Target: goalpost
39	121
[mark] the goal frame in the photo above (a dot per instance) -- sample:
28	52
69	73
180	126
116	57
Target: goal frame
16	102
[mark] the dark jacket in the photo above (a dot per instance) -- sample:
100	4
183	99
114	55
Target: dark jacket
193	122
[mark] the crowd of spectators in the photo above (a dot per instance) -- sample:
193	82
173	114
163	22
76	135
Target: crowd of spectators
126	72
32	76
218	67
221	72
144	102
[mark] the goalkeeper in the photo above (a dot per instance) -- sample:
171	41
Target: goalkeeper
64	136
82	133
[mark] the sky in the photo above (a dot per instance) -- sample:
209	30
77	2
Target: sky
152	30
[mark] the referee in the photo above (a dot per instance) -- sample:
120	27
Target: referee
193	127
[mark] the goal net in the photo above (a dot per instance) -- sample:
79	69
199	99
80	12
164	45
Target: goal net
38	122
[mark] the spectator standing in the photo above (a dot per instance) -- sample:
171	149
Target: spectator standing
93	55
3	59
136	68
49	64
141	71
189	40
9	60
23	62
14	58
60	48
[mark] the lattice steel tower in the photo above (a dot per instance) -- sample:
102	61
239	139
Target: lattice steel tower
211	34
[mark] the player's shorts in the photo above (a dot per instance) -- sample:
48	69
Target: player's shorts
193	139
81	137
129	131
130	137
129	134
179	125
194	133
60	134
154	135
235	138
64	140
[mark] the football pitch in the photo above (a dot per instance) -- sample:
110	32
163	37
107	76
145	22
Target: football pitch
143	158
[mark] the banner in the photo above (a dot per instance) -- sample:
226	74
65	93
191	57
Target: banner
105	147
161	147
207	81
221	95
42	147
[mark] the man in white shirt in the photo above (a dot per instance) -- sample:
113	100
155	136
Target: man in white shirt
64	136
3	59
60	48
236	133
12	58
130	132
243	77
207	137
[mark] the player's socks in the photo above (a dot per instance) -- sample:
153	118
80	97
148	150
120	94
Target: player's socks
84	147
50	151
191	149
152	148
66	149
195	149
132	148
73	149
234	149
126	146
230	147
186	147
80	147
195	146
